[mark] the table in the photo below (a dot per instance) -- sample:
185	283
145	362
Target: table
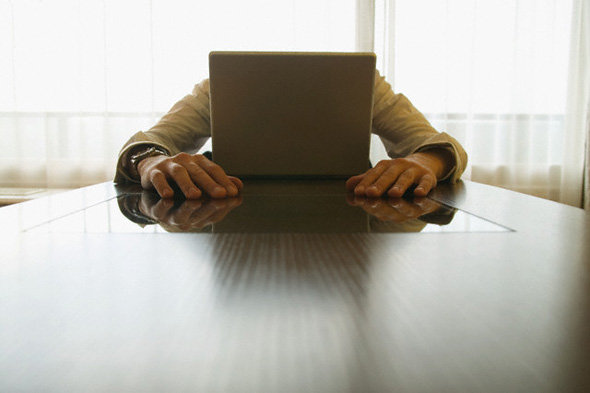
294	288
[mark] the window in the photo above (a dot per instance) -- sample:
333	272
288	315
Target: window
80	77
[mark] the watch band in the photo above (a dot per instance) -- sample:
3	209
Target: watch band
151	151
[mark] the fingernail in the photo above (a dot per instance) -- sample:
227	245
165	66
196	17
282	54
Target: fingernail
420	191
395	191
372	191
360	190
219	191
193	193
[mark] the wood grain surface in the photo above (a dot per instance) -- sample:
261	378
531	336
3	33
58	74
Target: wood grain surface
299	312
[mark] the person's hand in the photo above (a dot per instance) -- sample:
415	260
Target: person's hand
191	215
193	174
394	177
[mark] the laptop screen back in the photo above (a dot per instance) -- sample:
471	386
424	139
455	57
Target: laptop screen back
291	114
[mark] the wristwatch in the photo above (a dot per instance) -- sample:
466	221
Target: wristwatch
151	151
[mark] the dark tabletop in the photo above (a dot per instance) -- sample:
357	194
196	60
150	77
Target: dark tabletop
294	287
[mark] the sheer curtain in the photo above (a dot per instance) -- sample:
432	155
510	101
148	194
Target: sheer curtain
579	106
78	78
508	79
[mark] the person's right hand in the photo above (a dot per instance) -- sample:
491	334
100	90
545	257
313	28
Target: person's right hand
193	174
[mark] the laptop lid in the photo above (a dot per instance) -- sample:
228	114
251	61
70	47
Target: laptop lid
277	114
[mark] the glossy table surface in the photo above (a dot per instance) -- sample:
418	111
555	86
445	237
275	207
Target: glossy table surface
294	287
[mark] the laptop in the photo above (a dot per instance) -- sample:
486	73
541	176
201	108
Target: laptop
291	115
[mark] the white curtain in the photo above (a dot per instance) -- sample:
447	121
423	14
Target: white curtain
78	78
507	78
579	105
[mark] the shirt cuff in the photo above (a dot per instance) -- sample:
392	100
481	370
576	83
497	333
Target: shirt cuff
126	172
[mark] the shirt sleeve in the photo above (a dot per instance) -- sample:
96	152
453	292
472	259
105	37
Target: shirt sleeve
404	130
185	128
400	126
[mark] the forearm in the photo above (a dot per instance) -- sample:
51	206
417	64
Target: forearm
185	128
405	131
441	161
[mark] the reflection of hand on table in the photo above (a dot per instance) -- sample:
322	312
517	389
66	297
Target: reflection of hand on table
394	209
401	214
190	215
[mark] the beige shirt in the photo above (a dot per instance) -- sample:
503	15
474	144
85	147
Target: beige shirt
401	127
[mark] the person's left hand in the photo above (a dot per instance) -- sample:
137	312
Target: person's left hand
394	177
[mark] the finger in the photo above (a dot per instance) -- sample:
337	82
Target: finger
382	209
382	184
218	209
158	181
181	217
369	177
202	179
404	208
356	200
353	182
405	180
391	214
183	180
361	188
161	209
191	178
234	202
426	204
218	175
351	199
425	185
222	210
237	182
209	212
153	206
378	208
359	200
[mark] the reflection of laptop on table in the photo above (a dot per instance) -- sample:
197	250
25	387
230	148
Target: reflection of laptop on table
291	114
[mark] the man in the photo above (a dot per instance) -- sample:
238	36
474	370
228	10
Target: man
165	155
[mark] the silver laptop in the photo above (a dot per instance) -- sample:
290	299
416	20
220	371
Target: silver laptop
277	114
